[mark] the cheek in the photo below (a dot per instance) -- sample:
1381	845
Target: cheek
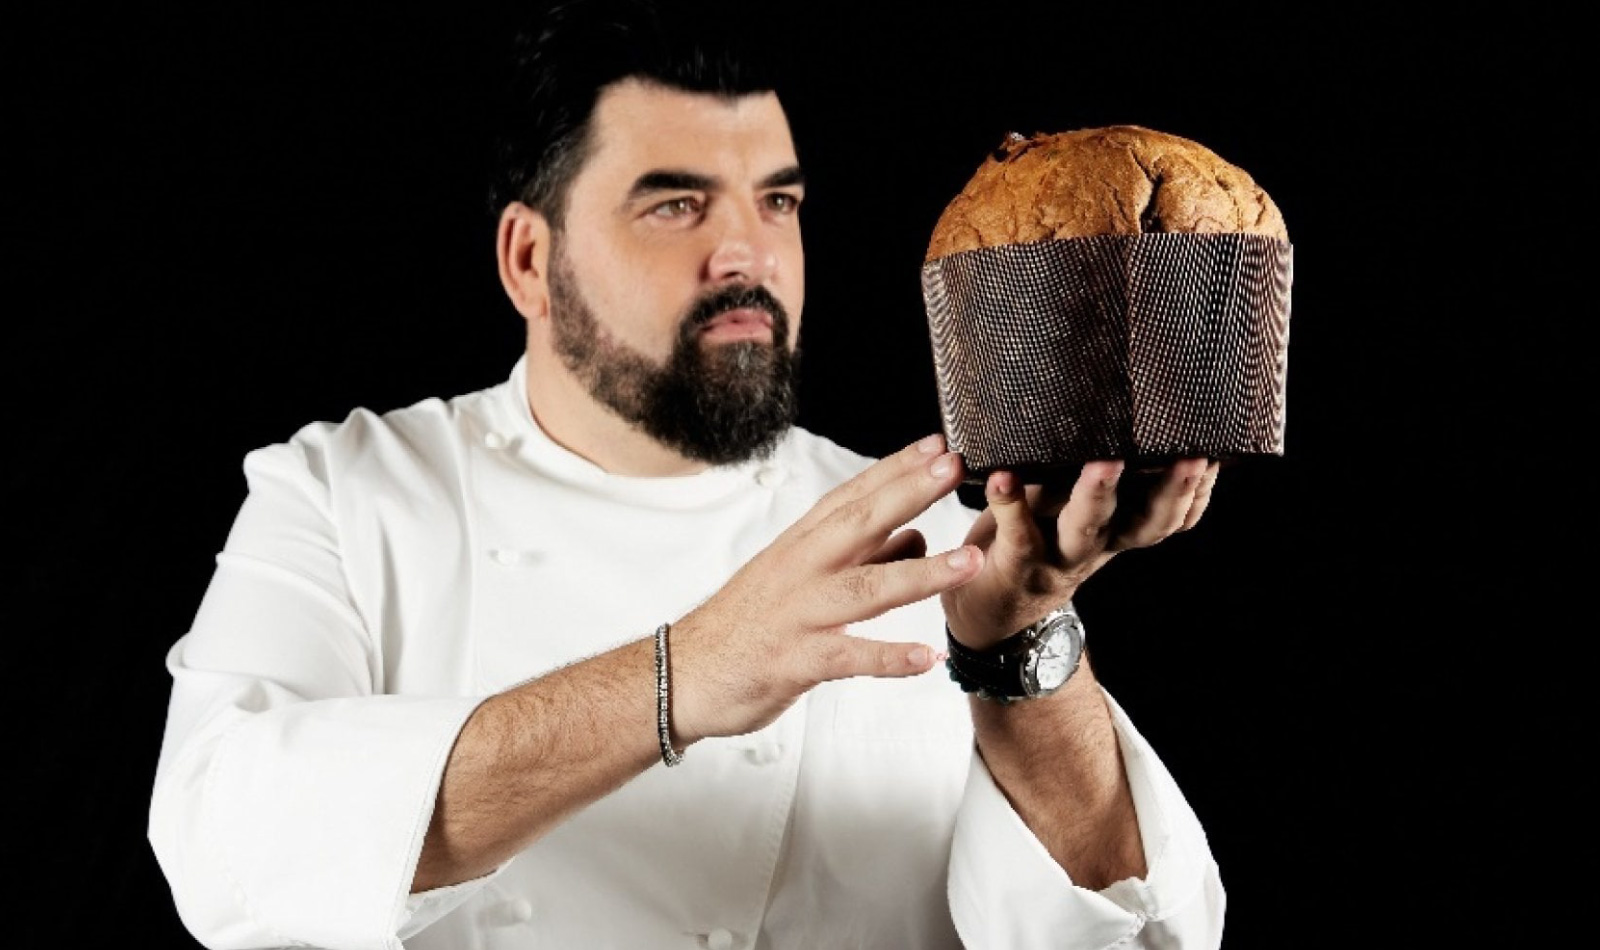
639	294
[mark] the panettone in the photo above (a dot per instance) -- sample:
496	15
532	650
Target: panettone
1121	179
1104	293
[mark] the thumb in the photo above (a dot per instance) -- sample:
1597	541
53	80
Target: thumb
1017	537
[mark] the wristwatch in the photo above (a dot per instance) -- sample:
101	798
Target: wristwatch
1033	662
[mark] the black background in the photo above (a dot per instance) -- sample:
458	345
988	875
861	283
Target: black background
225	224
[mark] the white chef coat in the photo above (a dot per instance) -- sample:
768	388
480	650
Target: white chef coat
388	572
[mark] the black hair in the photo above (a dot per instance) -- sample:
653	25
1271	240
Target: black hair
568	54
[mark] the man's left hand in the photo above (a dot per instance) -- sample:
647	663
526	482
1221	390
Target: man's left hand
1039	546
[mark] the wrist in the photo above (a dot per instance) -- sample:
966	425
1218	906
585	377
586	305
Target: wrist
704	683
1031	663
985	634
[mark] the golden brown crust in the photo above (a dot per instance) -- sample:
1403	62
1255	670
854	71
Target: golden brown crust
1120	179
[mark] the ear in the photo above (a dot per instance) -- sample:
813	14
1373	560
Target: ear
522	246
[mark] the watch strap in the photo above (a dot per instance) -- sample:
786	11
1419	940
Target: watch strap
996	672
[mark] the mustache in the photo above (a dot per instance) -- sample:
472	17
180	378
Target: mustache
737	297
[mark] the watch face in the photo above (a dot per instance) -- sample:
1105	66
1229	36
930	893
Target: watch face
1055	658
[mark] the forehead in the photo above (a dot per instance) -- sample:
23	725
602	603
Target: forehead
640	127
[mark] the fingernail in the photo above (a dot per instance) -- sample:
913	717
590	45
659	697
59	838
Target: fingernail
918	656
959	559
942	466
931	444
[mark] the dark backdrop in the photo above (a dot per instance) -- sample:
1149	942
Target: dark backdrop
225	223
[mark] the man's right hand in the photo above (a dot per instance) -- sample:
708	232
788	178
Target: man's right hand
777	628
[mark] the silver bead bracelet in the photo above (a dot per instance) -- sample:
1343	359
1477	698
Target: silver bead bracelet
669	755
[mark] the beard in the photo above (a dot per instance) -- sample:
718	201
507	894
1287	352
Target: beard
715	403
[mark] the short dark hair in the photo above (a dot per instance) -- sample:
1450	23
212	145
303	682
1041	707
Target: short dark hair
565	57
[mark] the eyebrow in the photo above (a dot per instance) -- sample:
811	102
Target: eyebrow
667	180
784	178
678	180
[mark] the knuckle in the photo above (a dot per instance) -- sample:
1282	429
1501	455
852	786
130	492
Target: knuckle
793	680
834	660
862	585
838	495
853	514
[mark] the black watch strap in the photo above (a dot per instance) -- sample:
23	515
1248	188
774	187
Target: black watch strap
998	673
995	673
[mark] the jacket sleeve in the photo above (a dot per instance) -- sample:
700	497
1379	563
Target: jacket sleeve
291	797
1006	891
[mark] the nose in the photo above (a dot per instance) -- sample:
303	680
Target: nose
743	252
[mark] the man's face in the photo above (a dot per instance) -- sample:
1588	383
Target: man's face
677	281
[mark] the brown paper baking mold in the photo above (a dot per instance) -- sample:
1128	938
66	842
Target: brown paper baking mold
1144	347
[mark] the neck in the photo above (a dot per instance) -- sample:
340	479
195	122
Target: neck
579	423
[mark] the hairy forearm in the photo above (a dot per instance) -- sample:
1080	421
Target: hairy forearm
1058	762
529	758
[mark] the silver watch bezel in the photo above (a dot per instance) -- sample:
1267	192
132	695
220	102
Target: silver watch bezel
1049	626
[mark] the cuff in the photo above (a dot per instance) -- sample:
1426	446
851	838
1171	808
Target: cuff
312	818
1006	891
425	908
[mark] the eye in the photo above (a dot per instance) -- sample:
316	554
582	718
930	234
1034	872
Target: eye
783	202
677	207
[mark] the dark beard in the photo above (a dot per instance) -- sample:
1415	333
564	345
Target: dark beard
718	403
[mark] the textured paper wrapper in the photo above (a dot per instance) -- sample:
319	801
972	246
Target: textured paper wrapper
1144	347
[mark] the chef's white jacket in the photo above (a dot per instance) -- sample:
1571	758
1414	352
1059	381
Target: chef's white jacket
388	572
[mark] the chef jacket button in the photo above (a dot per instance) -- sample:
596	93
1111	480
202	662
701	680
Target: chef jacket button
764	754
494	440
719	939
510	913
505	557
770	476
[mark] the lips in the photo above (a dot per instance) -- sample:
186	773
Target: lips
744	323
748	317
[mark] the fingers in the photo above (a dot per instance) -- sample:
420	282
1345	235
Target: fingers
860	593
1175	498
840	657
875	476
1017	540
1084	526
1031	566
857	527
1202	496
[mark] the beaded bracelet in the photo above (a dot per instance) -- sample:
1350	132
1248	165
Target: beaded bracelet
663	730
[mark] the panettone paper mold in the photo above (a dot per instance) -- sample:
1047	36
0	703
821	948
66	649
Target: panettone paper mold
1143	347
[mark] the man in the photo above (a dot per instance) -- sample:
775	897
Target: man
612	654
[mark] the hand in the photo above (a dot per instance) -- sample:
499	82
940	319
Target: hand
1040	546
777	628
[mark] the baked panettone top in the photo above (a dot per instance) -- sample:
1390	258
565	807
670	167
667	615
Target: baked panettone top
1120	179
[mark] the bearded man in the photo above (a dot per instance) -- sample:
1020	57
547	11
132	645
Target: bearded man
613	654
